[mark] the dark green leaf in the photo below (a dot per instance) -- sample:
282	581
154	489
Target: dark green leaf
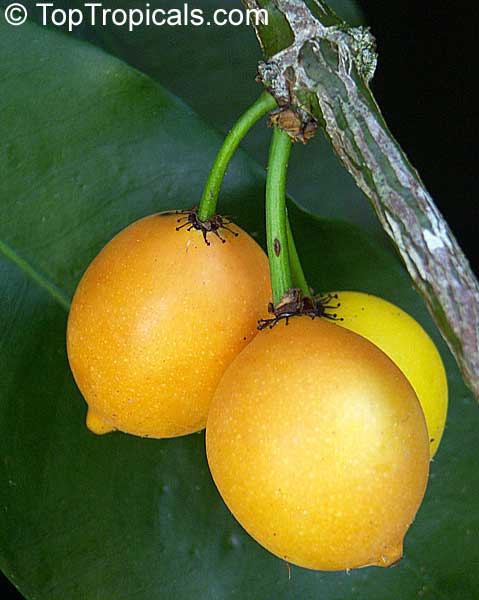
88	145
213	69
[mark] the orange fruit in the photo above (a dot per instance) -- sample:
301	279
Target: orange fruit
318	445
155	321
407	344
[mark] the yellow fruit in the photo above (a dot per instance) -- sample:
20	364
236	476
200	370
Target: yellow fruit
155	321
408	345
318	445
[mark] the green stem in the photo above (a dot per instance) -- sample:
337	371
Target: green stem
263	105
297	273
276	220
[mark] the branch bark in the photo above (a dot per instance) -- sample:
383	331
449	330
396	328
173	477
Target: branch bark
322	67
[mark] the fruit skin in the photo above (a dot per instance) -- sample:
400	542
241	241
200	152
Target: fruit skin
318	445
155	321
406	343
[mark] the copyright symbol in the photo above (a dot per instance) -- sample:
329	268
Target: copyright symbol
16	14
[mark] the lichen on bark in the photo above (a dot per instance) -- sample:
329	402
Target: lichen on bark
317	64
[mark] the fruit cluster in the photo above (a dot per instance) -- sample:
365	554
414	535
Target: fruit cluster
315	438
319	431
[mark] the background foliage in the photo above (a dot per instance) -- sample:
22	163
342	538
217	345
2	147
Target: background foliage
88	145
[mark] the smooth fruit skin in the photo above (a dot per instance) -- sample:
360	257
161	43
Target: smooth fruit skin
155	321
318	445
406	343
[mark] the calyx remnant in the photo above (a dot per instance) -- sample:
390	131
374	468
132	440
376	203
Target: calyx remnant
191	220
295	303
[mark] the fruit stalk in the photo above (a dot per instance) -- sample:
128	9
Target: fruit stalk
297	273
209	199
276	217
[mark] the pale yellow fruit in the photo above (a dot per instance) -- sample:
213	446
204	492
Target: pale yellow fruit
318	445
155	321
402	338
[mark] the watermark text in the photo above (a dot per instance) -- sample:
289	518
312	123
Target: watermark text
94	14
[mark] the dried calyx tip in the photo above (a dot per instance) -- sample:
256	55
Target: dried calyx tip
191	220
295	304
288	119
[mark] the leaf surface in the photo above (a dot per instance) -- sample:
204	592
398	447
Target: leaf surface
88	145
213	69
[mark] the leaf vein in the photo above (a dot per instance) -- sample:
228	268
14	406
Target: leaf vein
53	290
